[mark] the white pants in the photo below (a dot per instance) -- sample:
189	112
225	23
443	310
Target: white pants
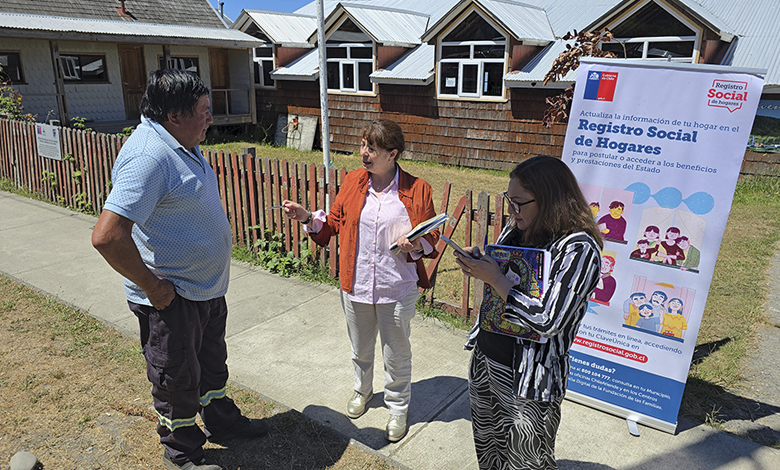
392	322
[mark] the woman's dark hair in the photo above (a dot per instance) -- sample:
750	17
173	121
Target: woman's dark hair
171	91
562	207
385	134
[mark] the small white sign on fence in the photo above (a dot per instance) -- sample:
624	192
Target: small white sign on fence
48	139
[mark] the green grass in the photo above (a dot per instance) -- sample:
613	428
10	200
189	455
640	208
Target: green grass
736	299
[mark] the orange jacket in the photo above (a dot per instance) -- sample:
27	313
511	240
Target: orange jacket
344	218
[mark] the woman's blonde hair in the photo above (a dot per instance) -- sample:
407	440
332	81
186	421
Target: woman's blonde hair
562	207
385	134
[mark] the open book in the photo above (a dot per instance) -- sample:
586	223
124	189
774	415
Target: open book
527	267
422	229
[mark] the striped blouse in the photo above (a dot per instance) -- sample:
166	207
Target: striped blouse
542	369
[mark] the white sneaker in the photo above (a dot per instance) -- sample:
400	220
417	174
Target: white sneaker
358	404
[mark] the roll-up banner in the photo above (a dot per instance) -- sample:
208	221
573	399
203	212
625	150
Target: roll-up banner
657	149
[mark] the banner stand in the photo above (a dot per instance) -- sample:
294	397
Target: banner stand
657	149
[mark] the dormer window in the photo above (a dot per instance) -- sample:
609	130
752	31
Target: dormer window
264	65
350	59
654	33
472	60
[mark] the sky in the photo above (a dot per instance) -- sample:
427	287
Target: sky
232	8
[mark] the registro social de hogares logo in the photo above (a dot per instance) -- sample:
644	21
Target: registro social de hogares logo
600	86
727	94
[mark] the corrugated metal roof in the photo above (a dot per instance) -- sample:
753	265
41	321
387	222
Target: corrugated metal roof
435	9
108	30
756	24
390	27
185	13
417	66
285	29
527	23
306	67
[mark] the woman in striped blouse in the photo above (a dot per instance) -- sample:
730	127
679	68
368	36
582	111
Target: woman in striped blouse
516	386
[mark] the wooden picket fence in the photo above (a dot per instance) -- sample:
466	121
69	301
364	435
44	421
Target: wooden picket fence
248	184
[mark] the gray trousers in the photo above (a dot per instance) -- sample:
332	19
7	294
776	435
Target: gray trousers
392	322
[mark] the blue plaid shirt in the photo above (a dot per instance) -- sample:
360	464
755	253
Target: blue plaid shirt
181	229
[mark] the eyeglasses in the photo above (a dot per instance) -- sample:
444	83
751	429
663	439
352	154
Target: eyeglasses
515	205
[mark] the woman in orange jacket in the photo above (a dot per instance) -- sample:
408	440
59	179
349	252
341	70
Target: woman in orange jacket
377	206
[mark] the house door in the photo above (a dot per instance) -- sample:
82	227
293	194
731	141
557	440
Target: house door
133	69
220	81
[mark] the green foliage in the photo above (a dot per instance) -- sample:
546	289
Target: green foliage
78	123
11	101
271	255
83	204
49	177
126	131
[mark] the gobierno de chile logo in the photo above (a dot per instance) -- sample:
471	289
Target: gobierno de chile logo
727	94
600	86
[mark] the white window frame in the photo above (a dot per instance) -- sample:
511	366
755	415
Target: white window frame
353	62
472	61
259	61
70	67
647	41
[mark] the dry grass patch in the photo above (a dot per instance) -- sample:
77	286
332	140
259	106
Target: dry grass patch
74	393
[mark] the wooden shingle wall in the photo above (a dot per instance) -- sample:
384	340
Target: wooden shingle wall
471	133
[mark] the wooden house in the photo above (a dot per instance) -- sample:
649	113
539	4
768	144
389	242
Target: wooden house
90	58
464	78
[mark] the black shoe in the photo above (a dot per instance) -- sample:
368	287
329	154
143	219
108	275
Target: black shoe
244	428
168	464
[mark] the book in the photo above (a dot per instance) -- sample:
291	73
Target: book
527	267
421	229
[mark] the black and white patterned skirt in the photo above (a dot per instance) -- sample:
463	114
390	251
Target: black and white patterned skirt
509	433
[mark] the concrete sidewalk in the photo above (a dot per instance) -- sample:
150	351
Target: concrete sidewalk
287	341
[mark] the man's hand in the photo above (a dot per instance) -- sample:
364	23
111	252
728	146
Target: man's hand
112	237
162	295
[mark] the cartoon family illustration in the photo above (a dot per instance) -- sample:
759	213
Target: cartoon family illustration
674	250
662	314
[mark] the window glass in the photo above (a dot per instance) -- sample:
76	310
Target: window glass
455	52
491	51
85	68
448	73
473	28
10	63
189	64
364	81
349	32
268	67
651	20
493	78
264	51
336	52
348	75
360	52
334	78
470	78
633	50
670	49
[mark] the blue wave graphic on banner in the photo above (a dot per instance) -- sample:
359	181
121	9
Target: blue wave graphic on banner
699	203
